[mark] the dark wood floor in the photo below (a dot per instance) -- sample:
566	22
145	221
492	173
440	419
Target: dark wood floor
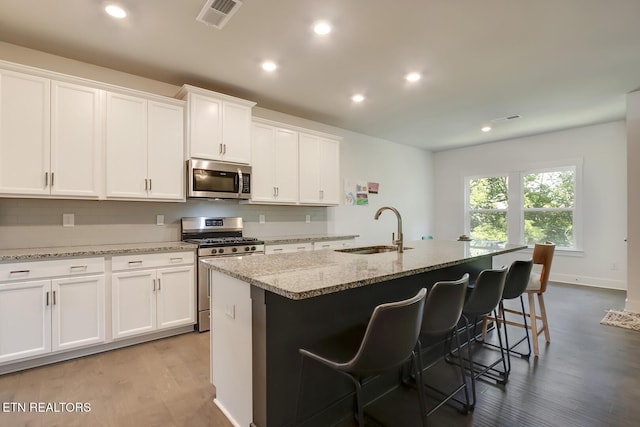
588	376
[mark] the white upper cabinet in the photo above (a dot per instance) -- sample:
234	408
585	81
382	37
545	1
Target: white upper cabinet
144	149
24	134
218	126
76	140
274	164
319	163
57	127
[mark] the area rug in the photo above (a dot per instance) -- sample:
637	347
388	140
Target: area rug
622	319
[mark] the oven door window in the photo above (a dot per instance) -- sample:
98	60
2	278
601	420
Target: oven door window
215	181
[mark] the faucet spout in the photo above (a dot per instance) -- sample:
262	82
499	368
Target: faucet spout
399	241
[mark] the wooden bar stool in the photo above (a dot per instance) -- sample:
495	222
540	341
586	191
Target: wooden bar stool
542	255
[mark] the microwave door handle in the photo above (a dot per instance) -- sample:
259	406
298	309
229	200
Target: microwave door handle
240	184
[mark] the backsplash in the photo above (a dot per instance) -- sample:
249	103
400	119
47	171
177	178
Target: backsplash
28	223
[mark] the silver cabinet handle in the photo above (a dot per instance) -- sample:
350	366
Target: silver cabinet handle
146	184
78	267
150	183
277	250
175	259
19	272
132	263
302	248
220	151
46	179
47	298
52	176
224	148
277	191
274	192
54	298
159	285
321	194
154	285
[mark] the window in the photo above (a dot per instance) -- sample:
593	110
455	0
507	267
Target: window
548	207
525	207
488	203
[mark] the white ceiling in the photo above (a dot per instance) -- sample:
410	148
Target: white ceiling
557	63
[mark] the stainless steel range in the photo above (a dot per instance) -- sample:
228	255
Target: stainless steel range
216	237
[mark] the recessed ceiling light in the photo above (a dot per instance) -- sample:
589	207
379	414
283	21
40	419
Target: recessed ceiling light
486	128
322	28
357	97
269	66
413	77
116	11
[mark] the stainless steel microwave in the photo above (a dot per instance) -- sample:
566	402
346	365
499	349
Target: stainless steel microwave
217	180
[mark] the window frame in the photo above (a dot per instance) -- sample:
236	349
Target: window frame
515	200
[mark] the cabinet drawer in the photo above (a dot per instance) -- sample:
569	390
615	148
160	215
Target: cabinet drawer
131	262
51	268
333	244
287	248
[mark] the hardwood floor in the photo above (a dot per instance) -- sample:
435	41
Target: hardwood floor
587	376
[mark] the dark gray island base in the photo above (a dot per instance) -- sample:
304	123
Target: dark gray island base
256	332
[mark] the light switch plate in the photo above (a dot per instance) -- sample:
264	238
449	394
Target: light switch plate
307	219
262	219
68	220
230	311
159	219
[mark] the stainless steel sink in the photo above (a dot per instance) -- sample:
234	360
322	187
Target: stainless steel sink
367	250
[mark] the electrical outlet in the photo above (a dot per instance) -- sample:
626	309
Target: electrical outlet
307	219
262	219
68	220
159	219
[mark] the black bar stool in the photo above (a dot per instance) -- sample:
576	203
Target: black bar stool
442	312
514	286
389	341
483	300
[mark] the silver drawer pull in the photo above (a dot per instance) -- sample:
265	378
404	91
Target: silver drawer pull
176	259
19	272
78	267
135	262
302	248
277	250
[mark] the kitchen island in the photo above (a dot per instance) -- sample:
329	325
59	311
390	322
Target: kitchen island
264	308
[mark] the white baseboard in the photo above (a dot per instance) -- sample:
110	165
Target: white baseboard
597	282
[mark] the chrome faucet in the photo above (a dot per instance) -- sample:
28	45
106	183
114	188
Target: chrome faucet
398	242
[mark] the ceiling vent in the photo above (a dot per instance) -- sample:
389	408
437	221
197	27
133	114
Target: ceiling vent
216	13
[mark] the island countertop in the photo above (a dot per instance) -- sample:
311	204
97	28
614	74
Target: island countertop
308	274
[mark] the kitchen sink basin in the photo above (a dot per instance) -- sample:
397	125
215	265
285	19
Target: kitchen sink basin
367	250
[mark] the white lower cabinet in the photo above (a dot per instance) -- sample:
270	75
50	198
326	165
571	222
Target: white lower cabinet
49	315
287	248
147	300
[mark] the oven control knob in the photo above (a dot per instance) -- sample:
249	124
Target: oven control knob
234	249
221	250
213	251
246	248
253	248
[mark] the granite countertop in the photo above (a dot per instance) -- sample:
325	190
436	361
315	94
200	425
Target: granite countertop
281	240
32	254
307	274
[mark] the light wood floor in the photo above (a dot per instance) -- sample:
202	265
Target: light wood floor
588	376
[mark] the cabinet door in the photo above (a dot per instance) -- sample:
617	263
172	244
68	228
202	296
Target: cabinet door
205	120
329	171
24	134
126	146
309	155
176	296
78	312
263	163
236	133
133	302
76	133
25	320
286	166
165	151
